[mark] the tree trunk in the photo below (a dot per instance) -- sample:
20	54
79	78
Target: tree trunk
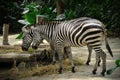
59	7
39	19
5	34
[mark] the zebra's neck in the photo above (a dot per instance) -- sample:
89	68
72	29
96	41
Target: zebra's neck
46	29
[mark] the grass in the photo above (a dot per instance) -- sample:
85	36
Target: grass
17	49
4	51
38	71
13	74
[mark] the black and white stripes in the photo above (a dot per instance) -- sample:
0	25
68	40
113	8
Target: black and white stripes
27	37
76	33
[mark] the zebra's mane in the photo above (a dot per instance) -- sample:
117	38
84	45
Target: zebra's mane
49	22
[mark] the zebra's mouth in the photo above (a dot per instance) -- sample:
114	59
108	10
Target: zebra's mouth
24	49
34	47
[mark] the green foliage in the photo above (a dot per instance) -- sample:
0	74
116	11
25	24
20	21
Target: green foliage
106	11
111	70
117	62
69	14
48	12
10	13
20	35
32	9
30	12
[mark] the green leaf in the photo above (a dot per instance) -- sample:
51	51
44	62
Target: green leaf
30	17
69	14
25	11
19	35
24	22
117	62
109	71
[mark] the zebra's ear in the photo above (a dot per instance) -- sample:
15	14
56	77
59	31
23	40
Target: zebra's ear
25	28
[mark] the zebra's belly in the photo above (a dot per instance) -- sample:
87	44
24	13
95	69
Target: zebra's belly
75	44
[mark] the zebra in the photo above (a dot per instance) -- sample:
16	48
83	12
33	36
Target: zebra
78	33
32	34
29	35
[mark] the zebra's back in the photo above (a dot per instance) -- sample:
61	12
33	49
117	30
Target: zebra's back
80	32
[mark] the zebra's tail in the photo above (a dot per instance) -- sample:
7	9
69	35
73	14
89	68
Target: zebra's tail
108	47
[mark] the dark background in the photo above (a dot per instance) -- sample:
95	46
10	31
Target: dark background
107	11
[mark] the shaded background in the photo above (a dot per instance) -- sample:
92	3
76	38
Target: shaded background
105	10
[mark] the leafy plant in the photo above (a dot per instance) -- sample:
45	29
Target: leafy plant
30	12
110	71
69	14
20	35
10	12
106	11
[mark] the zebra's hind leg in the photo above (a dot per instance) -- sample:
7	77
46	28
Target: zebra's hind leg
96	63
103	56
100	53
68	50
89	55
99	61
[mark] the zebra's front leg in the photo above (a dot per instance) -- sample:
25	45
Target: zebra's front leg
60	54
54	58
53	52
68	50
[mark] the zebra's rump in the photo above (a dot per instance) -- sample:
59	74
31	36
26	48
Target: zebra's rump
80	33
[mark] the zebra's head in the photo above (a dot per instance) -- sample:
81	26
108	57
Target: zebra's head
27	37
37	38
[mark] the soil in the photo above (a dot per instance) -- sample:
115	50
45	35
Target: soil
83	72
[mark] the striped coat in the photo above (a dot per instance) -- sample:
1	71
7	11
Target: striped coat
78	33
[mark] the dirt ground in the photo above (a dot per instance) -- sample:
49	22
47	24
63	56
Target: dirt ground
83	72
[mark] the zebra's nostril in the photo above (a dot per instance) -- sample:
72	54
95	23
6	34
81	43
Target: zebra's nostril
34	47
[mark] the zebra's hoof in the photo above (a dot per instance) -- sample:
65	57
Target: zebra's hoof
94	72
53	62
87	63
60	70
103	73
99	63
73	69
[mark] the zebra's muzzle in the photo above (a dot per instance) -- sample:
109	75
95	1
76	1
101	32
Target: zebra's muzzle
34	47
24	49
